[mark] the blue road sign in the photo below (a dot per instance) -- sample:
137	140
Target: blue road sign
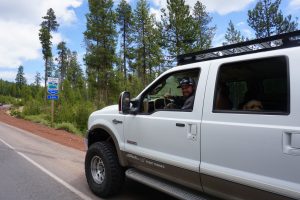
52	92
52	83
52	97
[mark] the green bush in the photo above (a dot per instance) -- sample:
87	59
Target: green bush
83	112
64	112
18	102
32	107
42	119
7	100
16	113
68	127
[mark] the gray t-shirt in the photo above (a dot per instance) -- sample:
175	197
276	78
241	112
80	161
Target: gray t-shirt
189	102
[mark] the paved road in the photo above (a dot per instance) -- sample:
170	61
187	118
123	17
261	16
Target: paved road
32	168
20	180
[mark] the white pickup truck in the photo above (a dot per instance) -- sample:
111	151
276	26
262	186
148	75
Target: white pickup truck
240	139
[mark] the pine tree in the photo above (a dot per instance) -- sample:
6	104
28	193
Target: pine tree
20	78
203	32
45	38
141	18
233	35
47	26
147	40
50	21
177	29
266	19
62	59
100	38
154	53
124	19
74	72
37	79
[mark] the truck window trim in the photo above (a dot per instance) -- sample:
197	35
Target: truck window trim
198	68
286	113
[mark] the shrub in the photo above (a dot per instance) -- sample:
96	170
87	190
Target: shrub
32	107
41	119
16	112
82	115
64	113
18	102
68	127
7	100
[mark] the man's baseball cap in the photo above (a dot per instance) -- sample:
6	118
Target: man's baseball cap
186	81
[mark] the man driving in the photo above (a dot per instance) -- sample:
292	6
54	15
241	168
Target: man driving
186	101
187	86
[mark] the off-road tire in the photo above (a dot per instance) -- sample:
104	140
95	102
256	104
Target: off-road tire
111	183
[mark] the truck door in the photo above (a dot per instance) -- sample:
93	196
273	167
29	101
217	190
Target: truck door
250	129
163	138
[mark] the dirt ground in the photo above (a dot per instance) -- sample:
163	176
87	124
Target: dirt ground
59	136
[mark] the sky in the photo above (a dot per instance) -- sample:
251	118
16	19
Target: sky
20	20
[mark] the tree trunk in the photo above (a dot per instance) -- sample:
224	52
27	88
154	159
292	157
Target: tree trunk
144	57
124	50
46	78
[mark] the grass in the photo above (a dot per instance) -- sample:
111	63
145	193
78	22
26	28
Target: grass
68	127
41	119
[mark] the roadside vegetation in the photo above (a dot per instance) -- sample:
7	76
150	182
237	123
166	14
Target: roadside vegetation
71	110
125	50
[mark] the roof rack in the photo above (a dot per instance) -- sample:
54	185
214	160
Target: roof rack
281	41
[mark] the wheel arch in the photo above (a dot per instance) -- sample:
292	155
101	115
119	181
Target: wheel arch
99	133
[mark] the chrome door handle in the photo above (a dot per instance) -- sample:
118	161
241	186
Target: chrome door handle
115	121
291	143
180	125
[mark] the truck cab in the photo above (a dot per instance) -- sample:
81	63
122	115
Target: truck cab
240	139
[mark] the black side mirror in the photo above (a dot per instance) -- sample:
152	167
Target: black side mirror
124	102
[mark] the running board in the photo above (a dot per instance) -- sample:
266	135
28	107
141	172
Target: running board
164	186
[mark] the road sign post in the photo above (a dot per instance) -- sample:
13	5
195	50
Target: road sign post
52	112
52	85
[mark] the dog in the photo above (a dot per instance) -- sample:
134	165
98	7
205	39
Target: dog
253	105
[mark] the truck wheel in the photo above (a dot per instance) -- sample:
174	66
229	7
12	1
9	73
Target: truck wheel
104	174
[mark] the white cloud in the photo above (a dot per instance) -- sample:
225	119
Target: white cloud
19	42
31	11
294	4
19	25
8	75
157	2
57	38
62	8
224	7
220	7
29	78
156	13
11	76
240	24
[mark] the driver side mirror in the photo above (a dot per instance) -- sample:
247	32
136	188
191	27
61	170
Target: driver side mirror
124	102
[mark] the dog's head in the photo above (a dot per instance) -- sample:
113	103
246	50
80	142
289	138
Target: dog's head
253	105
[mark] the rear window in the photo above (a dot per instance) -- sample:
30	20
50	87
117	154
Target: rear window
256	86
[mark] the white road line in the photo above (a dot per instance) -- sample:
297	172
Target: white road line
67	185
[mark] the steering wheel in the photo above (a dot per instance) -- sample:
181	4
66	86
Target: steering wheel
169	102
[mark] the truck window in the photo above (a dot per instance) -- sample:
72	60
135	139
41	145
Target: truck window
174	92
256	86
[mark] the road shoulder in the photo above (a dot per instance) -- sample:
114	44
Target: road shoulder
59	136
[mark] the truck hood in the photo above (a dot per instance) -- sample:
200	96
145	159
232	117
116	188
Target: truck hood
103	114
113	109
